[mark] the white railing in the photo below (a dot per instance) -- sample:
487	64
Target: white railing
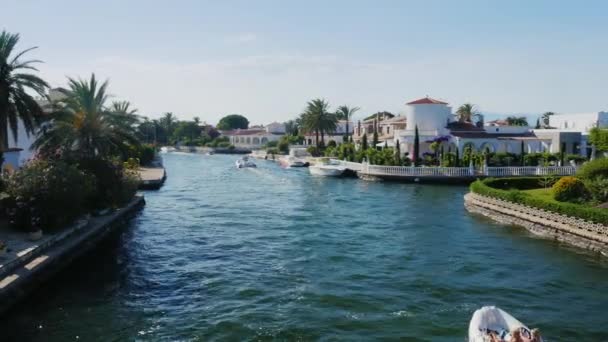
529	171
380	170
351	165
506	171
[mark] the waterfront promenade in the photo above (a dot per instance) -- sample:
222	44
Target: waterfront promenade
29	263
152	177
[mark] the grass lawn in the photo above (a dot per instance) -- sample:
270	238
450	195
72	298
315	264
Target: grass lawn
542	193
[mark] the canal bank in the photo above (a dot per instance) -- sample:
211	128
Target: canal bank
221	253
574	231
28	269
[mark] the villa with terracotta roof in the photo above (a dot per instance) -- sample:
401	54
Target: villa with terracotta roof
256	136
436	122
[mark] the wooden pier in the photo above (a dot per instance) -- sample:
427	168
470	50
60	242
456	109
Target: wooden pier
152	178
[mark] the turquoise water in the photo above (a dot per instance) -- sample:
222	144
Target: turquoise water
274	254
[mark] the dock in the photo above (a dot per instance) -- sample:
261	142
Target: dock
29	263
152	178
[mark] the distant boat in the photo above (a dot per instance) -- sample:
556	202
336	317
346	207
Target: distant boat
167	149
210	153
244	162
327	169
493	324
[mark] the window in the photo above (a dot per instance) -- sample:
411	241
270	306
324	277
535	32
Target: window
388	129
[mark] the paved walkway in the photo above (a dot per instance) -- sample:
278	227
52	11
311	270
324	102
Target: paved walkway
152	177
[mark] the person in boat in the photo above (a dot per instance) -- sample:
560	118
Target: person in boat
516	335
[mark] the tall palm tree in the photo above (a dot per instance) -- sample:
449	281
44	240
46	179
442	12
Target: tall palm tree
15	102
291	127
546	118
317	119
83	126
346	113
124	114
466	112
168	122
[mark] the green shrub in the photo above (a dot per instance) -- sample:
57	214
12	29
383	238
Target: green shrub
597	188
570	209
131	163
314	151
147	154
223	144
283	145
272	143
520	183
576	157
272	151
331	143
111	183
47	194
569	189
594	169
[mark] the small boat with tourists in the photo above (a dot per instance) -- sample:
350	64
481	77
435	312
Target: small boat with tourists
244	162
491	324
326	168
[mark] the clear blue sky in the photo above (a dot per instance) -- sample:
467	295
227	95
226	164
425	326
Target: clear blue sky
265	59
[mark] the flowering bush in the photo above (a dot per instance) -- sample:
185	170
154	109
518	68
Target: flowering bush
115	185
569	189
46	194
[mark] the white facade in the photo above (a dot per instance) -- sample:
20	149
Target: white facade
579	122
275	127
428	116
24	142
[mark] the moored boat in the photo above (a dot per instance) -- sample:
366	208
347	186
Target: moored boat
491	324
244	162
326	168
291	161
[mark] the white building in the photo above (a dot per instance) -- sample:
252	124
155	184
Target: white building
337	135
436	122
255	137
580	123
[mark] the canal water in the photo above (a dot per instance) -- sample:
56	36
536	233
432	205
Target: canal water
220	253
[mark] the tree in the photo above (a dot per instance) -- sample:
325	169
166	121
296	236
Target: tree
316	118
599	138
416	147
83	126
346	113
186	131
364	142
517	121
124	114
546	117
291	127
15	101
196	120
168	122
537	124
233	121
522	154
375	139
466	113
397	153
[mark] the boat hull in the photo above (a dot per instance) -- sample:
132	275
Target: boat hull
325	171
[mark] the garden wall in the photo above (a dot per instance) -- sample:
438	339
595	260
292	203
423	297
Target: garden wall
575	231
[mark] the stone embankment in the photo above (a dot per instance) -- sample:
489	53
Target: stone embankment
24	271
575	231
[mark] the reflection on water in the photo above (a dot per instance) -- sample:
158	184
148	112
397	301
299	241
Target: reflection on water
221	253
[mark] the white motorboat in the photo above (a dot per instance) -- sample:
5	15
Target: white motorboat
244	162
291	161
326	169
493	324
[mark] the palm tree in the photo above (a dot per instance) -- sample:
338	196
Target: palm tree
83	126
317	119
124	114
466	112
546	118
168	122
291	127
517	121
346	113
15	102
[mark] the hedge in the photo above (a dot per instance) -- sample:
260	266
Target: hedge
519	183
598	215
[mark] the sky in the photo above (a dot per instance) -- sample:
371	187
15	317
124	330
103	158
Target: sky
265	59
